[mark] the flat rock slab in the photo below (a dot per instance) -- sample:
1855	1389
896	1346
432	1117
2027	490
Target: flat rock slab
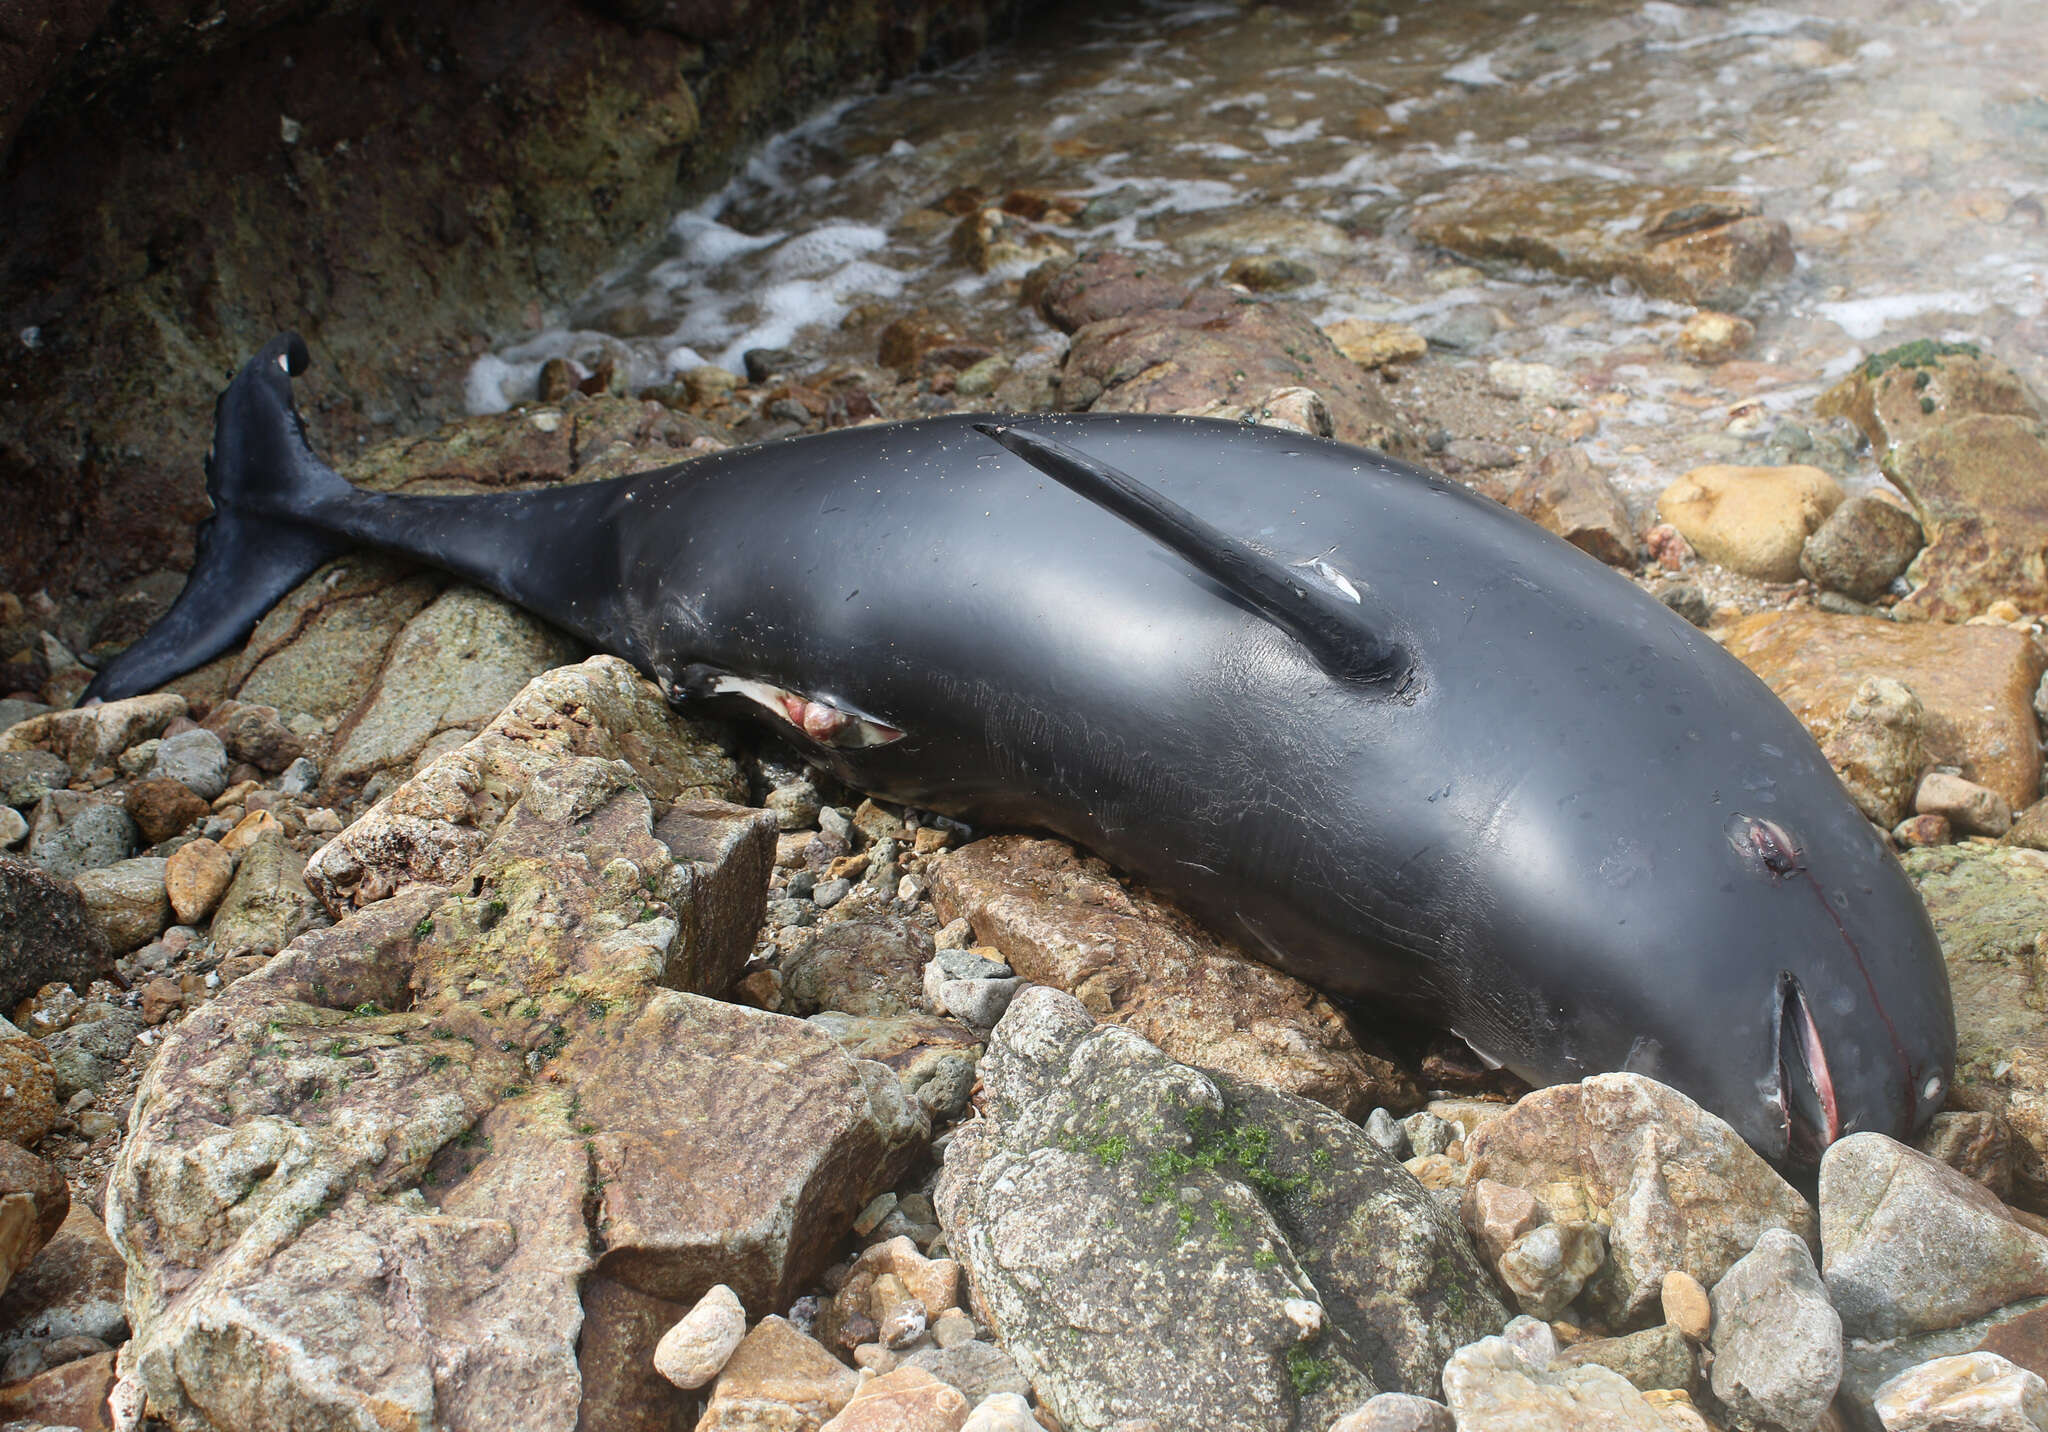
1113	1192
1989	905
1710	248
1062	919
1975	683
449	1163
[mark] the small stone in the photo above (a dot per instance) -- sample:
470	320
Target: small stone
1969	808
1396	1412
1977	1145
978	1004
1864	546
875	1357
1710	337
1753	520
1917	832
831	892
777	1378
1777	1342
1497	1215
977	1369
300	778
162	808
1654	1358
953	1327
248	829
13	827
195	877
161	998
954	935
1879	748
904	1324
1463	328
698	1347
126	900
1686	1306
1375	345
197	759
1978	1392
75	831
1268	273
906	1400
1565	493
1386	1131
1546	1267
1491	1387
1427	1134
882	1206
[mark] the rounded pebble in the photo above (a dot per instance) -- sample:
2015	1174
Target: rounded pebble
693	1352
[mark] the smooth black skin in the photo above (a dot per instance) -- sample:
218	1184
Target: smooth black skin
1535	834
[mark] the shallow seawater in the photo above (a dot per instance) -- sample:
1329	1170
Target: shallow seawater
1905	142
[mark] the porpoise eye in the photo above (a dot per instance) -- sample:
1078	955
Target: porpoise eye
1764	843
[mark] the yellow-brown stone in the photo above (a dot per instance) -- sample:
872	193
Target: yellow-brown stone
1752	520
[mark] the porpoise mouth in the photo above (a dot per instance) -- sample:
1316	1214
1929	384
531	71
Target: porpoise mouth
1806	1087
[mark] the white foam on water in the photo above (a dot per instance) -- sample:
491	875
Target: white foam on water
1475	73
484	388
1866	318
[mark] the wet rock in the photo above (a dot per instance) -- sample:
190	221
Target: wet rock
322	646
28	1098
1969	808
1710	337
1112	1188
196	875
126	901
1676	1187
1375	345
257	735
873	965
1864	546
1654	1358
1061	919
1397	1412
162	808
1962	436
453	667
778	1379
432	827
1912	1246
45	934
1709	248
196	759
1975	683
1463	328
1879	748
72	1288
1777	1342
692	1352
1753	520
85	1055
1268	273
75	831
469	1101
1989	906
990	240
267	904
1297	409
906	1400
1979	1392
1491	1387
33	1203
71	1396
1219	348
1564	493
94	736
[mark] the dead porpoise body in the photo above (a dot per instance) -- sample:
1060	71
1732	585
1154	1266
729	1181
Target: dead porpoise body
1390	736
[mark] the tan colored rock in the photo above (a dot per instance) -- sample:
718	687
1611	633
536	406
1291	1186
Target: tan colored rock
1676	1187
94	736
1370	344
989	239
1964	438
1062	919
72	1288
692	1352
73	1395
250	828
778	1381
1969	808
196	875
1711	248
1491	1387
1753	520
1976	685
1564	493
1879	748
933	1282
1980	1391
126	900
28	1088
1685	1304
906	1400
469	1103
432	827
1710	337
1497	1215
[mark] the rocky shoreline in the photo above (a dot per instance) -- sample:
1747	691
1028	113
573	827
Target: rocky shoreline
418	1024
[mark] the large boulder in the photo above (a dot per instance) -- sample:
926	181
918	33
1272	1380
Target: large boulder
1150	1241
457	1161
1062	919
